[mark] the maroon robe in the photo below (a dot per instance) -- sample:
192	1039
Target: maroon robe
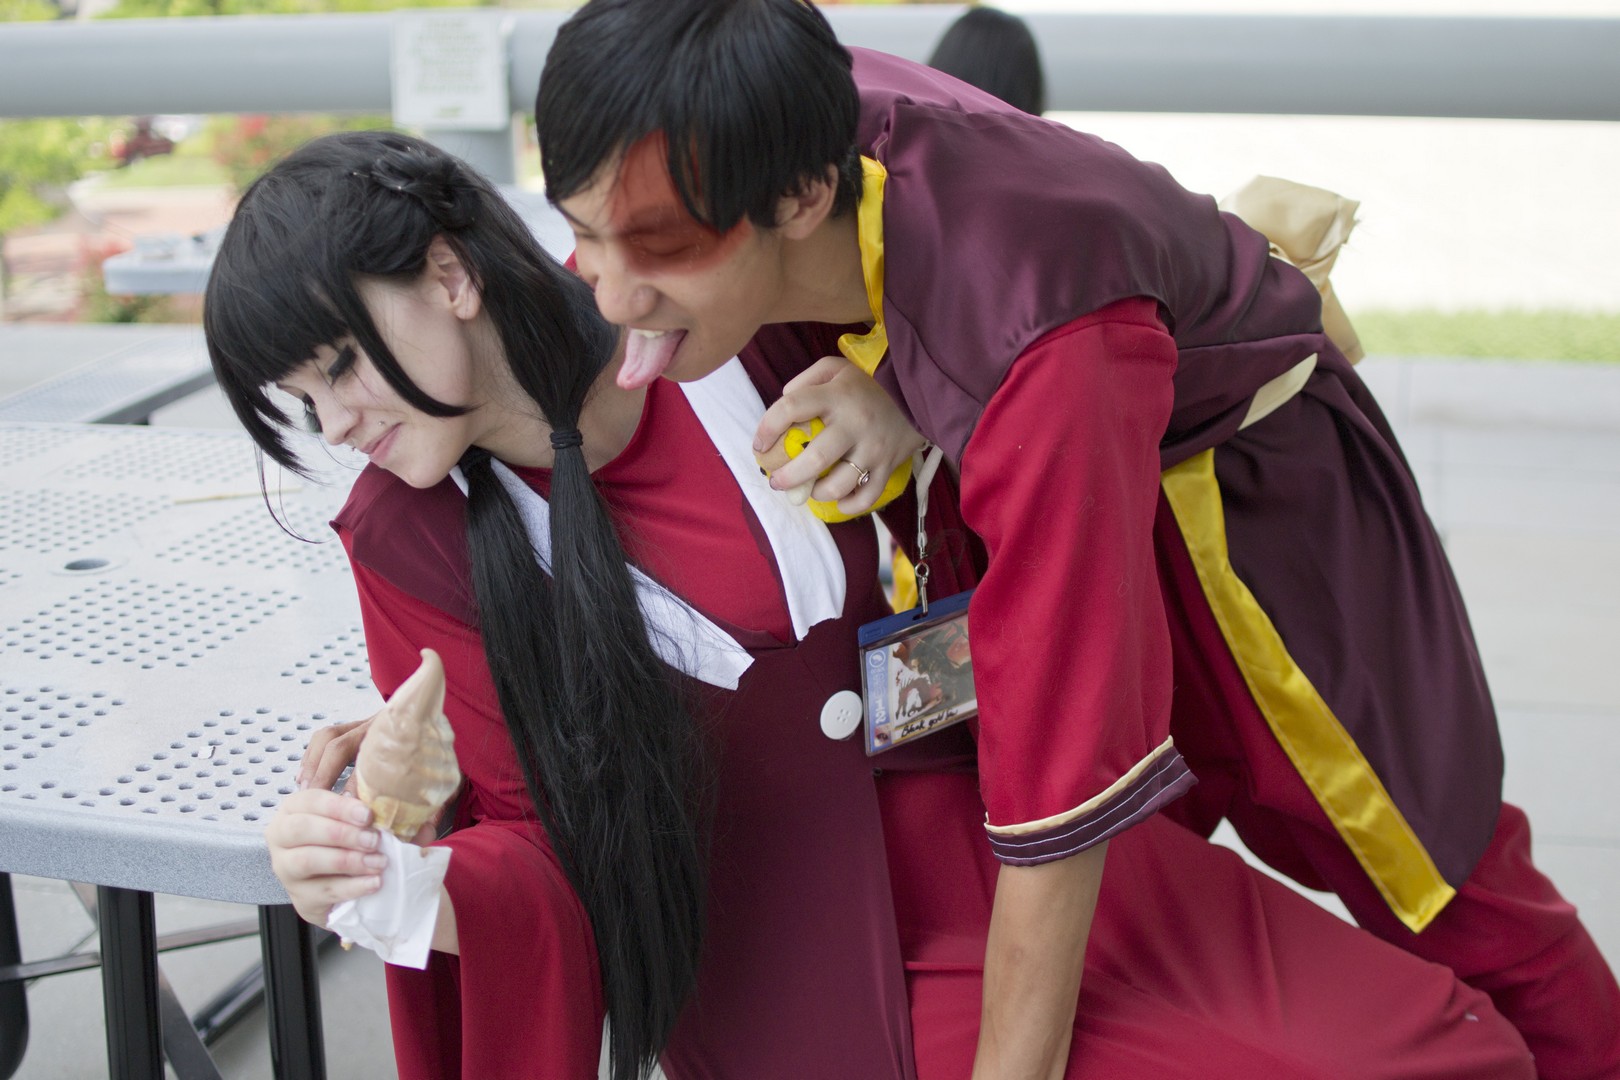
801	938
1322	516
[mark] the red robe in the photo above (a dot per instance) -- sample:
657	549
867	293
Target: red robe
850	897
1051	227
1058	316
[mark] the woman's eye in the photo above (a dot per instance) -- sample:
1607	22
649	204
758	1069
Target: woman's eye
341	364
312	422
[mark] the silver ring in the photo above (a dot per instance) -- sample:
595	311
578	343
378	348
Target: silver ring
865	476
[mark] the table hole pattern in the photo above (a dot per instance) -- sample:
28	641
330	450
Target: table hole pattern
202	459
8	576
46	521
142	623
251	538
236	766
341	660
36	719
24	444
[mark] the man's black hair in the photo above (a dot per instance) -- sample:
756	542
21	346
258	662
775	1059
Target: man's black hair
755	96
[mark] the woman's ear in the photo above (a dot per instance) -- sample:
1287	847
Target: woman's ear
446	271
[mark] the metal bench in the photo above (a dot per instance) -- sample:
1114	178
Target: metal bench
123	387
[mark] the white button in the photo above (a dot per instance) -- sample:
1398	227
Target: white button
841	715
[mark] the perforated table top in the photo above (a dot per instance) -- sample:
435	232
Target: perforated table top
165	653
122	387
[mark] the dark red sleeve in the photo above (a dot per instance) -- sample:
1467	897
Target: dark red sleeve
1071	654
525	987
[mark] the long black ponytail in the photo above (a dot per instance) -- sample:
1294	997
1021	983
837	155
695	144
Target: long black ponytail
612	758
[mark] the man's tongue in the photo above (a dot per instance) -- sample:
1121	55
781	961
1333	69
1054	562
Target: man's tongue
646	354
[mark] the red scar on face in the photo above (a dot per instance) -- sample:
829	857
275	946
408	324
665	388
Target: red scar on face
646	213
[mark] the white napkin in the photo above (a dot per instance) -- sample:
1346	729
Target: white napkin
396	922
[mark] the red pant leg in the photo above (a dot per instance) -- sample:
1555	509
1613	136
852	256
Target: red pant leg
1507	932
1200	967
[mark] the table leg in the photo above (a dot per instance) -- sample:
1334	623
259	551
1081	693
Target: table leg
129	984
292	994
13	995
182	1046
230	1005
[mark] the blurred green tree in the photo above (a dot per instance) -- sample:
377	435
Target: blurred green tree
39	158
160	9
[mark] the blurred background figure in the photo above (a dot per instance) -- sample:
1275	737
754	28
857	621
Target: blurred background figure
996	52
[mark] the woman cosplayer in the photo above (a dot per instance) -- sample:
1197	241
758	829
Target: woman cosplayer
654	827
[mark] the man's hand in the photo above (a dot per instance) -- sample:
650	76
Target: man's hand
865	430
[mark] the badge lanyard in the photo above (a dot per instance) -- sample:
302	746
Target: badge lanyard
925	476
916	670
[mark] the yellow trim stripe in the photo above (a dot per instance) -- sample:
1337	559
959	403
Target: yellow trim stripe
866	350
903	596
1342	780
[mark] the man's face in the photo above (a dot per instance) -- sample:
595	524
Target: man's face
692	296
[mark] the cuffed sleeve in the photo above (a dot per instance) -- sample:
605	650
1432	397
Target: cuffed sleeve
1071	653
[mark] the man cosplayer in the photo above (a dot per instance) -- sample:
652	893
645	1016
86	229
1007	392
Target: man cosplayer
1207	557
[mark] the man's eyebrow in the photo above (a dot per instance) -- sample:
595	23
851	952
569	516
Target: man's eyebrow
670	217
572	219
652	219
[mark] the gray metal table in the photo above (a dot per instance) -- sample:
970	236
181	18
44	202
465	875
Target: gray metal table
124	387
165	653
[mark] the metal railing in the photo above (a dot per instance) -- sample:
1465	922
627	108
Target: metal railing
1520	68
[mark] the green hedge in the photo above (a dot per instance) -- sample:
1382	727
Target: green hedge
1508	334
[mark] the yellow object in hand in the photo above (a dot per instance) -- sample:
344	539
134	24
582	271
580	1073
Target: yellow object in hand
800	436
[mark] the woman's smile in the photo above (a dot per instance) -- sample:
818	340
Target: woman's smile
379	447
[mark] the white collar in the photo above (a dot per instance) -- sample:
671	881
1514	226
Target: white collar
807	558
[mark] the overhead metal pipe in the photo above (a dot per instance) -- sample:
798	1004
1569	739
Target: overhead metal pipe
1524	68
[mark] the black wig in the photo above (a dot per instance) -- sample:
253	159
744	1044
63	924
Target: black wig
612	758
755	96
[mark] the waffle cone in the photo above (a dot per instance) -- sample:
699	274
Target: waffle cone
403	819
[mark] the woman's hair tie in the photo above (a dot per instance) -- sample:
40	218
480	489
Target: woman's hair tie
435	185
563	439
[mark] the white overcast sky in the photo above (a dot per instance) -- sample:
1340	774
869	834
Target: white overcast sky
1545	8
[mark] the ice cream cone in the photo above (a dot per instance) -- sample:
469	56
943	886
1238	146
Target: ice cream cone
406	769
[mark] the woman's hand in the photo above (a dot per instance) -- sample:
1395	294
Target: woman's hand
324	851
330	751
864	429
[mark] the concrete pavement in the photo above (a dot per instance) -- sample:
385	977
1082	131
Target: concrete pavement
1520	467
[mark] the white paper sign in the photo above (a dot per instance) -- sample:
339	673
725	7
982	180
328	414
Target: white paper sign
450	69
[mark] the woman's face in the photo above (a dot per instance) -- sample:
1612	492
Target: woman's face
438	350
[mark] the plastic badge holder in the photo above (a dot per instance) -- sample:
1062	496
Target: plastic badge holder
917	673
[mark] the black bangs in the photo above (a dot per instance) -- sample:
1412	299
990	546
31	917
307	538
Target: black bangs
285	281
264	315
756	98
